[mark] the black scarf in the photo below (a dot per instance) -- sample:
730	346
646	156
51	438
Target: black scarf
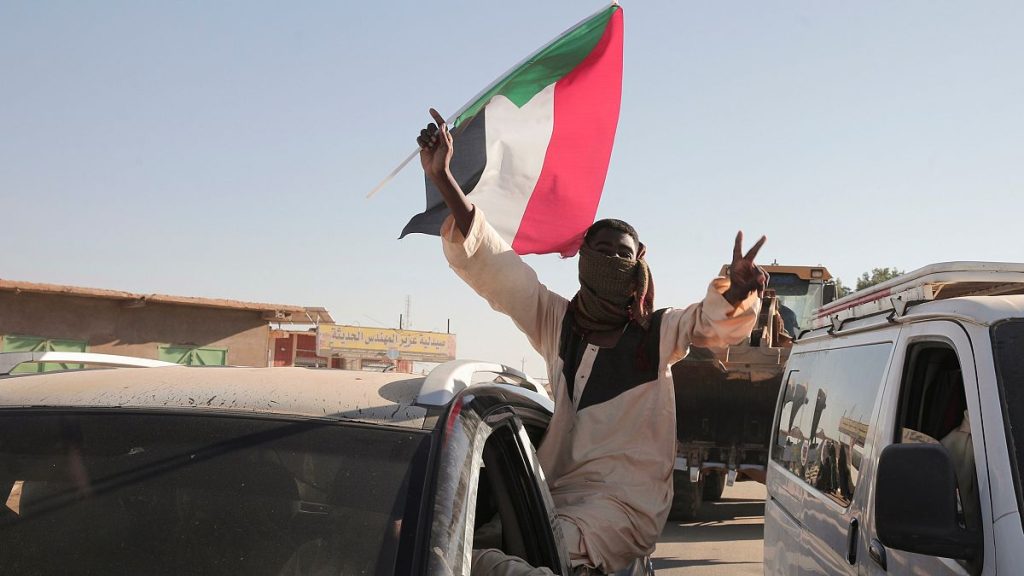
613	291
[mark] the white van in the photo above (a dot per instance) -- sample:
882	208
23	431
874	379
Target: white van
898	442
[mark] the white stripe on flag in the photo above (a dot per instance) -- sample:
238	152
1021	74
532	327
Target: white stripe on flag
508	179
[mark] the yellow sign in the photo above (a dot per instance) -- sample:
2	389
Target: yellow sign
854	429
341	340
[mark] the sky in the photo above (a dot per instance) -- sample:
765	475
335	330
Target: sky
225	149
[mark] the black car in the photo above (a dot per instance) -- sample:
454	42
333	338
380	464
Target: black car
275	471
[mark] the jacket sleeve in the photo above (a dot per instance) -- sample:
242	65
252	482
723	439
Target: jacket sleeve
492	562
712	322
489	266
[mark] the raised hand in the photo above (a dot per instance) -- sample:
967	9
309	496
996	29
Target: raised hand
436	150
435	142
744	276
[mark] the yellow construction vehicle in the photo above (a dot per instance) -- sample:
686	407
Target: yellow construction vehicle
725	397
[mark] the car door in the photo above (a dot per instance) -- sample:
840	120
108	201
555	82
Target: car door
843	386
933	381
490	491
516	481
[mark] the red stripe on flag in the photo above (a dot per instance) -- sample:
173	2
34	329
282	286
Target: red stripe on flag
565	199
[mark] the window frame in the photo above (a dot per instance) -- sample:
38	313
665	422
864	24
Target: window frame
1002	375
907	387
961	337
474	421
813	387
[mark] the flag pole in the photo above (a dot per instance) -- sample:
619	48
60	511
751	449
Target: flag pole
403	164
393	173
467	105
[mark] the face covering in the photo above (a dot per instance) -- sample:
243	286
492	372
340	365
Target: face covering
613	291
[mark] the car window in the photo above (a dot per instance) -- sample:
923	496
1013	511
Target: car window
511	514
487	494
824	419
183	494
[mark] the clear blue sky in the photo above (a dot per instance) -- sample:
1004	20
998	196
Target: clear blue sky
224	149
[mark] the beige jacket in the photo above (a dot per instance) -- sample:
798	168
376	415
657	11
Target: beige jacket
610	447
961	450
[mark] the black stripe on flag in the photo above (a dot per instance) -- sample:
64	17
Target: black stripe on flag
467	166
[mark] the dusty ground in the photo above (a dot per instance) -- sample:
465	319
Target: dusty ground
725	539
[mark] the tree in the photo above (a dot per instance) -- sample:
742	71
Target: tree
842	289
867	279
877	276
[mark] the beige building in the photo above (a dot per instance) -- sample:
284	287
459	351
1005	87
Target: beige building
186	330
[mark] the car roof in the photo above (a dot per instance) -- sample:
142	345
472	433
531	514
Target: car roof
979	310
984	310
371	397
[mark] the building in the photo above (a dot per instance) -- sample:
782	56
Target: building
360	347
182	329
295	344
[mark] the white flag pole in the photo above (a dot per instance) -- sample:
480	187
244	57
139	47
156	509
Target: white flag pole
393	173
472	100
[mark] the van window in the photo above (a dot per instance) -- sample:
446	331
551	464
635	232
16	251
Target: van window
1008	347
824	419
933	409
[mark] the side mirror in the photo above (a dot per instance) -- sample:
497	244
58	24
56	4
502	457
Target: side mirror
828	293
915	503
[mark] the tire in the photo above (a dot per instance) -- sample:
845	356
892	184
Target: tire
714	485
688	496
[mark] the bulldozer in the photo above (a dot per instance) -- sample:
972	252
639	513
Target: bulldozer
725	397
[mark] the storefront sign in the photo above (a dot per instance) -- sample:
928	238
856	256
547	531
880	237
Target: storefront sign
342	340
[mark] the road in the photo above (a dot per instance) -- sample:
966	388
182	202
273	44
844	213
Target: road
725	539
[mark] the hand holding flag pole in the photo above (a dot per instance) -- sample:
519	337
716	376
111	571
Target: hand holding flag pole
436	149
401	166
435	142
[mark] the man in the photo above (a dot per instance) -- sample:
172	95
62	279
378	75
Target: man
609	450
790	323
961	450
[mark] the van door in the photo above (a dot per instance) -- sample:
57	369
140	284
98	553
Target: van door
782	529
823	436
934	399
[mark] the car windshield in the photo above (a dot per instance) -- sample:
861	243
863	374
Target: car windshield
102	493
1008	347
799	296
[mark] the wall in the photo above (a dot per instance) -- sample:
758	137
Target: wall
110	327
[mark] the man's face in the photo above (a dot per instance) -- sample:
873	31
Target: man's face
612	242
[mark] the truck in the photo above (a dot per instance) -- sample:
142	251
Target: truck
725	397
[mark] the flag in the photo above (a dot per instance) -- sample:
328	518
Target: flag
532	150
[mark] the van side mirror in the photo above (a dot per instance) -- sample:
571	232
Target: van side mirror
915	503
828	293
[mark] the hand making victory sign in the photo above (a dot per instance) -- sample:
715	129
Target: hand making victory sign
745	276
